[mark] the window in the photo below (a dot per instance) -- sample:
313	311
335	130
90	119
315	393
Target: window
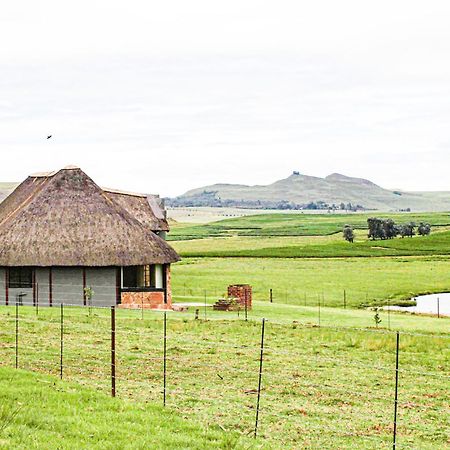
149	276
20	277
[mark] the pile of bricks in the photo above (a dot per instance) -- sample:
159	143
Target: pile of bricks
226	304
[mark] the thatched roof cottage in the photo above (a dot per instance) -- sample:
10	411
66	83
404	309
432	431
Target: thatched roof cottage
60	233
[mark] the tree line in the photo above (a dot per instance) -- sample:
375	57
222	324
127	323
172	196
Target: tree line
388	229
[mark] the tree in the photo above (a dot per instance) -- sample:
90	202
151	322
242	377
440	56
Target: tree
377	318
348	233
408	230
424	229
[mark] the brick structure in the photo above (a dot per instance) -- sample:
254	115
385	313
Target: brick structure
145	300
242	293
155	299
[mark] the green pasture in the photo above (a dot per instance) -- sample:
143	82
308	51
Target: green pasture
367	281
295	224
322	387
38	411
437	243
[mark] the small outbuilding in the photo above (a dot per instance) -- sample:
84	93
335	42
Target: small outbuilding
61	234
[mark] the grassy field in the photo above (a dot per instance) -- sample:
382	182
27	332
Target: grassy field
295	224
318	263
314	246
366	280
39	411
323	387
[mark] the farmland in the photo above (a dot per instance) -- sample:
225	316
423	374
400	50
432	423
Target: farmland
323	387
329	369
303	257
295	224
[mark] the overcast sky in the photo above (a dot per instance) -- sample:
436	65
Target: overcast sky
165	96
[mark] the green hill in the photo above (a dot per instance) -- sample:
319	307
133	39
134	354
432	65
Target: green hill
299	190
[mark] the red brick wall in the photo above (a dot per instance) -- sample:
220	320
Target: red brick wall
146	300
242	292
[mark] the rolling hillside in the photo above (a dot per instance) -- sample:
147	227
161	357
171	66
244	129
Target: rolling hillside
299	190
6	189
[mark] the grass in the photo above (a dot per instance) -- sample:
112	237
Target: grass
323	387
366	280
295	224
314	246
39	411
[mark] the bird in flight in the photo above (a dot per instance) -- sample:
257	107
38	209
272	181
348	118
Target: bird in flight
48	137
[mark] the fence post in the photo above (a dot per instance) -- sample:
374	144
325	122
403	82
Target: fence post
113	351
246	309
305	298
165	358
271	296
37	299
260	377
345	299
17	335
396	390
205	304
142	306
61	343
438	308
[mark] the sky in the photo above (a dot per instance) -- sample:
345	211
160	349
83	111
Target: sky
162	97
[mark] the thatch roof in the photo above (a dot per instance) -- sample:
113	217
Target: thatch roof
148	209
65	219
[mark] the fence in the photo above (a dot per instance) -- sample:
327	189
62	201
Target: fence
290	384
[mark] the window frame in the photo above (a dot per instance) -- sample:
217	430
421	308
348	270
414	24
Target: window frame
20	277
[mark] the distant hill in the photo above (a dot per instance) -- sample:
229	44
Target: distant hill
6	189
300	191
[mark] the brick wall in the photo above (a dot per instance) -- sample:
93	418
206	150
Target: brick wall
243	294
146	300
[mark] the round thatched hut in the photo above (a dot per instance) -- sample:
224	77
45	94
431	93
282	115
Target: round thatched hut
63	237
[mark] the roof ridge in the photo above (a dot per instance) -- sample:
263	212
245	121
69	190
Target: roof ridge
25	204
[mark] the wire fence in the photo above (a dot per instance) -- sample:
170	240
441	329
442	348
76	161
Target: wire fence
284	383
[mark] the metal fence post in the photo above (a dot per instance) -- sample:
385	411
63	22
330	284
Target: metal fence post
165	358
271	295
260	377
345	299
113	351
37	299
438	312
61	342
17	335
396	391
205	303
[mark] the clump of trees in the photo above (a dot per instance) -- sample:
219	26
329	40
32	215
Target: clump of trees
348	233
388	229
424	229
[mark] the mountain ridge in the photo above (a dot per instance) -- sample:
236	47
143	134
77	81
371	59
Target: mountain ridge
300	191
